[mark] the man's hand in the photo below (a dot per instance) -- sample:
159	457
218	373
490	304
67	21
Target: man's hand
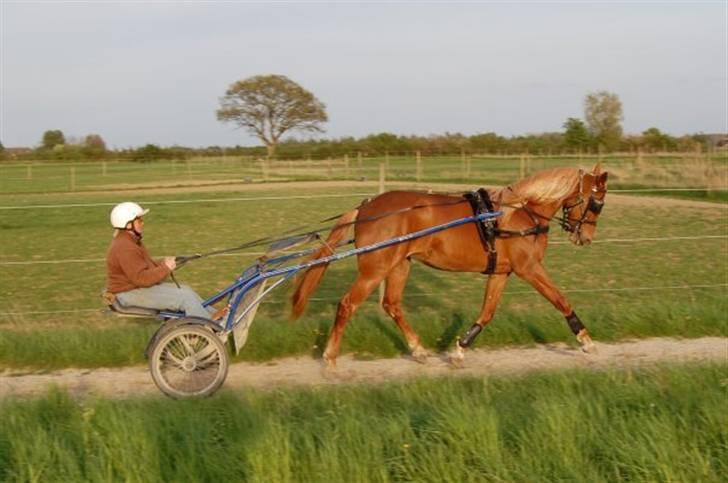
170	263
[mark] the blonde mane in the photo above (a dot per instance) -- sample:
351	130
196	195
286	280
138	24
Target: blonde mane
546	186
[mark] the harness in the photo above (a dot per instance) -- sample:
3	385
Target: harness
488	229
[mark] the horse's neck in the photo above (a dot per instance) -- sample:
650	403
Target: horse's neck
546	210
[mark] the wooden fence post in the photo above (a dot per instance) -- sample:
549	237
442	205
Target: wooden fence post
29	172
263	168
523	166
73	178
381	190
419	167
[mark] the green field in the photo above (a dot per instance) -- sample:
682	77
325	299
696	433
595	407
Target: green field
661	424
50	313
707	174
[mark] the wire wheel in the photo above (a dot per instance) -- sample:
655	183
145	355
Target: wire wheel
188	361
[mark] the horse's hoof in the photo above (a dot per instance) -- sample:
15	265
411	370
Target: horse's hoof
587	345
328	370
420	355
589	348
457	357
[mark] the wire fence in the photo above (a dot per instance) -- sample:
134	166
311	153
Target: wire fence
421	294
259	253
292	197
698	170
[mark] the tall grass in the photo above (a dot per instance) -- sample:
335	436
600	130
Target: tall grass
664	424
373	334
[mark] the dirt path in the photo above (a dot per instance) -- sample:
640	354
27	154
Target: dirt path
305	371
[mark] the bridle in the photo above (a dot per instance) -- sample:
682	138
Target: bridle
593	205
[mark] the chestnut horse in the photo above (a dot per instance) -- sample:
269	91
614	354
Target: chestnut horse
529	203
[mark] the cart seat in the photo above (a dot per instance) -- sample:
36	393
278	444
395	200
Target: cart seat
121	309
127	310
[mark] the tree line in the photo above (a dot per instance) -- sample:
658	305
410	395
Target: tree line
272	106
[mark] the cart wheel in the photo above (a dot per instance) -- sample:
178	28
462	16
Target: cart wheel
188	361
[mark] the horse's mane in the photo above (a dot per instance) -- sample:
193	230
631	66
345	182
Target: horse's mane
543	187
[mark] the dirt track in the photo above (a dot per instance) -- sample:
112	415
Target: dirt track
305	371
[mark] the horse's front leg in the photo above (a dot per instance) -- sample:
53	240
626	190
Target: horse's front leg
539	279
493	292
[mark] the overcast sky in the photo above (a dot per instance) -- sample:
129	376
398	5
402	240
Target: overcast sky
139	73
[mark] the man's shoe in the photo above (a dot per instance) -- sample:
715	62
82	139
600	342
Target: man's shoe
220	315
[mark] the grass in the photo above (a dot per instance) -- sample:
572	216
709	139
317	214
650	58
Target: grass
604	282
660	424
653	171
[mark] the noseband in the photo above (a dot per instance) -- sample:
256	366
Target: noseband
592	205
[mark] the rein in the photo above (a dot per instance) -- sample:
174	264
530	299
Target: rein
290	238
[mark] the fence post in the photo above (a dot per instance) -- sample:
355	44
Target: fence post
103	168
381	190
523	166
358	158
264	168
329	171
73	178
419	167
468	162
346	164
29	172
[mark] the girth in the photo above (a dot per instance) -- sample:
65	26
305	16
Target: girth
488	229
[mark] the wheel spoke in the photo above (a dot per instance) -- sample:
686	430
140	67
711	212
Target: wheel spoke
186	343
169	356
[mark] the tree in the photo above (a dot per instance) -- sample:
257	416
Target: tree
53	138
576	135
147	153
269	106
94	146
656	140
603	114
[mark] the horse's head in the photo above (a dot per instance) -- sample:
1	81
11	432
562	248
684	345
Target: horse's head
583	207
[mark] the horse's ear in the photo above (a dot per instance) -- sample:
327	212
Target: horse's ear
597	169
602	179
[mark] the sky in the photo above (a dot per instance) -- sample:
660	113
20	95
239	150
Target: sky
153	72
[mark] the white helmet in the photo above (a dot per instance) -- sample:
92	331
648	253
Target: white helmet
125	212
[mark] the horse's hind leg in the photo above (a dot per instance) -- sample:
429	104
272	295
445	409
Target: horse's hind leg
358	293
392	305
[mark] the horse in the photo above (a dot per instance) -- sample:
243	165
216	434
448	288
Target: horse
520	243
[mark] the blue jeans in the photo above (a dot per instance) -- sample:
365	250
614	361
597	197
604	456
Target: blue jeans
166	296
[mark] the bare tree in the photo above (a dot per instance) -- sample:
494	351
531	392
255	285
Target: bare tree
270	106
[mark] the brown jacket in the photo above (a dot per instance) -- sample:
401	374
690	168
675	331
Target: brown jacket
129	266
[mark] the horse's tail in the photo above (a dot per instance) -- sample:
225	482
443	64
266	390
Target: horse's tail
306	284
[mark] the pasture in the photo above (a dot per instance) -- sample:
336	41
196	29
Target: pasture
662	424
657	269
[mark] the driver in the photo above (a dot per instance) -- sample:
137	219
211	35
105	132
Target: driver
135	279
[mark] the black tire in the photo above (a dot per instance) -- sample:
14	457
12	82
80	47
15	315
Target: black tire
188	361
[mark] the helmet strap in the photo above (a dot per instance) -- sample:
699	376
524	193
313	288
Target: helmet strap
133	230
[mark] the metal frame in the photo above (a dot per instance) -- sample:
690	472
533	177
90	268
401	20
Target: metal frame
260	271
